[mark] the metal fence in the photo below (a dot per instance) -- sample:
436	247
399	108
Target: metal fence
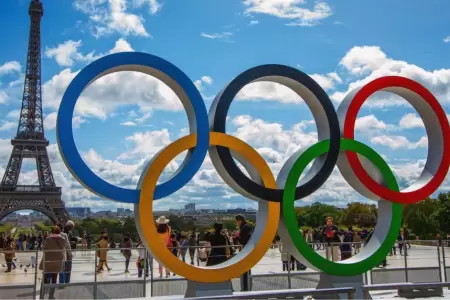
424	262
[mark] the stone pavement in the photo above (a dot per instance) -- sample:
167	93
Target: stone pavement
83	271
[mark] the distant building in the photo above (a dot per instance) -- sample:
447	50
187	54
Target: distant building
103	213
236	211
79	212
189	207
120	212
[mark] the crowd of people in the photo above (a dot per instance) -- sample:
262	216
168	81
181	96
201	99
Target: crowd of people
218	245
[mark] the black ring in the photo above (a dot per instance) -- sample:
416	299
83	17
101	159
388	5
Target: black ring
289	77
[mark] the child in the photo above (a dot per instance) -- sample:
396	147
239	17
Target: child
141	261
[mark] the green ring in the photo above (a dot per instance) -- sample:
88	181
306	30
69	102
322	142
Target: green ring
290	220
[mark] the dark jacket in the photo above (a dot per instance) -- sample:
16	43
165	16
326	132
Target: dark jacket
331	238
348	238
245	233
218	252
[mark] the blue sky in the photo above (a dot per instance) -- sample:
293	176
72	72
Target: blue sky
342	44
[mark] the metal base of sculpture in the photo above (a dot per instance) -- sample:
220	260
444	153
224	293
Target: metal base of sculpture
200	289
329	281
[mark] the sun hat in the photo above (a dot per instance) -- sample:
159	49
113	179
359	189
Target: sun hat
162	220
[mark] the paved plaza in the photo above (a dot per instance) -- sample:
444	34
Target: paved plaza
83	271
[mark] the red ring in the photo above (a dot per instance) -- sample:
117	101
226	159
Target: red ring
349	132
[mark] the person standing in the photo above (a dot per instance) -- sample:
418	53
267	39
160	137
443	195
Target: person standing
402	241
73	246
174	247
89	241
245	233
284	255
220	250
184	245
83	241
143	261
346	246
330	234
192	246
52	263
164	233
357	242
68	255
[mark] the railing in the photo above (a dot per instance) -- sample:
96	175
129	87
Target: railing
427	263
396	286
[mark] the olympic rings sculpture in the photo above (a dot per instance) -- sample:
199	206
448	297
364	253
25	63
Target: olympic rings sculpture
361	166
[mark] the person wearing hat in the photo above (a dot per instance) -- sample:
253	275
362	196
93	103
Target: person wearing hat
164	232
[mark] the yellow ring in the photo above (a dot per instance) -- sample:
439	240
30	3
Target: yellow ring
240	263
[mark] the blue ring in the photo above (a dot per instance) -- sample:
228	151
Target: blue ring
69	151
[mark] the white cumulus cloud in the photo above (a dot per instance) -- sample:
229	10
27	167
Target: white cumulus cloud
292	10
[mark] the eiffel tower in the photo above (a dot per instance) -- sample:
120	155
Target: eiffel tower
30	141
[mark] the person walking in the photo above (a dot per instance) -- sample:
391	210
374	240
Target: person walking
102	253
52	263
245	233
126	246
330	234
8	251
405	230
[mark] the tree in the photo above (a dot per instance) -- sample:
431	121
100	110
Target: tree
360	214
443	212
422	219
315	215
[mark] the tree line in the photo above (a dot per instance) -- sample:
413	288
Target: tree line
424	219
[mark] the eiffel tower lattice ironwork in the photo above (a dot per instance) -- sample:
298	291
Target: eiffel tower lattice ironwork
30	141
